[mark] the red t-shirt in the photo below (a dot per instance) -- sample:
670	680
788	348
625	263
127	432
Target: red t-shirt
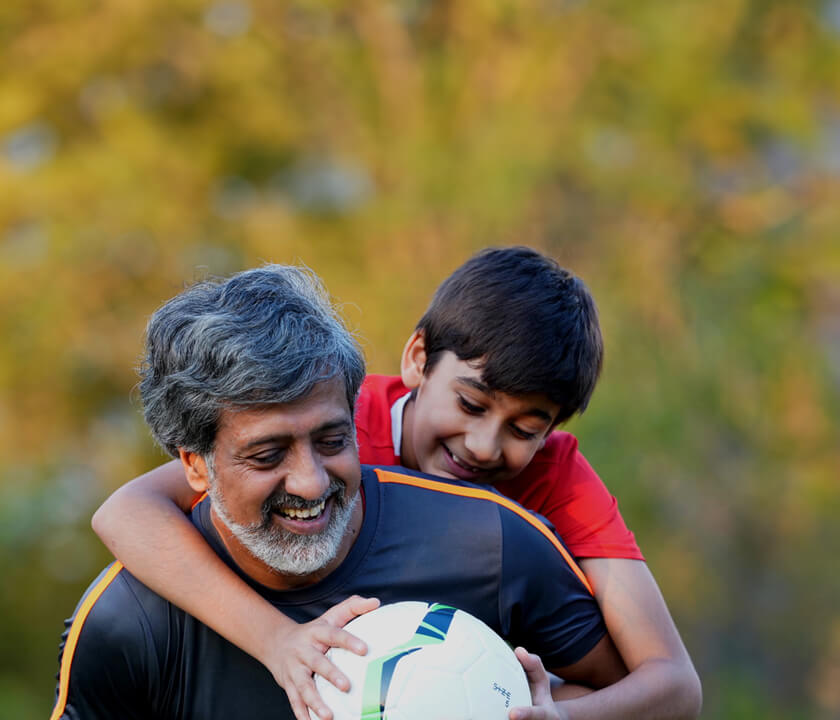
558	482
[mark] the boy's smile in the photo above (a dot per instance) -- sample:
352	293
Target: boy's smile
458	427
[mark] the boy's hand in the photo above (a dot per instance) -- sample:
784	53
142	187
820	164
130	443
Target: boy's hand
544	707
301	652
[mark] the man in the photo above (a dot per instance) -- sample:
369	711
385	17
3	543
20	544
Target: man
251	383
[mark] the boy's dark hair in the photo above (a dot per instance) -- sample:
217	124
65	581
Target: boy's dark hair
533	324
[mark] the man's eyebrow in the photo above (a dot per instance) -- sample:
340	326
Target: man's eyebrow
329	426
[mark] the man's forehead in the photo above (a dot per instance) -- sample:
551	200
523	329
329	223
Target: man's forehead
326	402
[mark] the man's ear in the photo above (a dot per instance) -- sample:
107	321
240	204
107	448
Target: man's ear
413	360
195	468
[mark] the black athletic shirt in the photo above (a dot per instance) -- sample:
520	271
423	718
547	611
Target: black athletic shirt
128	653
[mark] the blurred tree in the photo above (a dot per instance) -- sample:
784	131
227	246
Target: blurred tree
682	156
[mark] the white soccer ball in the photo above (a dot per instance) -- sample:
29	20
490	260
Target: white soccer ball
425	661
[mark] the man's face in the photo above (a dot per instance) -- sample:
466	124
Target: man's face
457	427
285	486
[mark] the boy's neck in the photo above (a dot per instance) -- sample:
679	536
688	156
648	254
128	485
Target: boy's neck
408	457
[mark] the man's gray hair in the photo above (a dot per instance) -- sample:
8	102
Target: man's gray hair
266	335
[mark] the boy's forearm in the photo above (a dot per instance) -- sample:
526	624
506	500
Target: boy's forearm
184	569
662	681
656	690
144	526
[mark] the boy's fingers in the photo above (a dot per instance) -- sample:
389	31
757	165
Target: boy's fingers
310	696
298	707
532	665
531	713
336	637
529	661
341	614
321	665
537	682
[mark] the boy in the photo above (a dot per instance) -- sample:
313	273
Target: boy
509	348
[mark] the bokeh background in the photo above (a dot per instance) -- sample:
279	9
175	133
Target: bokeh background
682	156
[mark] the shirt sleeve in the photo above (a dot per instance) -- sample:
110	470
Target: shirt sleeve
561	485
545	606
106	658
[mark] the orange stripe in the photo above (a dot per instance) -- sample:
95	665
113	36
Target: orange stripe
390	477
73	637
197	499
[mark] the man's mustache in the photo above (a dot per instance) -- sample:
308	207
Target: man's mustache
282	500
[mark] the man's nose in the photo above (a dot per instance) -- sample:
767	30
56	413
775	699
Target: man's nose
306	476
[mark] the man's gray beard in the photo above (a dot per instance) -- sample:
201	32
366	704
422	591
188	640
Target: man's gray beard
286	552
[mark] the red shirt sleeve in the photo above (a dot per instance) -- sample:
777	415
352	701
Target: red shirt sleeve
373	419
561	485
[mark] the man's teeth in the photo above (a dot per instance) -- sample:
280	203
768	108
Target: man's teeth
304	513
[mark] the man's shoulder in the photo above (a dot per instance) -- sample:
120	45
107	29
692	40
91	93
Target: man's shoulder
110	599
432	486
117	612
415	492
110	640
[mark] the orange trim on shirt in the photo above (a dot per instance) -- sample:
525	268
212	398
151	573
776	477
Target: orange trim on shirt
391	477
73	637
197	499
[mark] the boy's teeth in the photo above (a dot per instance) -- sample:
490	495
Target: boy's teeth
464	465
305	513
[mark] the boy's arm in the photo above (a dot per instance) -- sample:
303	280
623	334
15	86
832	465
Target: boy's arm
662	683
145	526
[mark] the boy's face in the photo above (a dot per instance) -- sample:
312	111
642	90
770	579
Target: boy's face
457	427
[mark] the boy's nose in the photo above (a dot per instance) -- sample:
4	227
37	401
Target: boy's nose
483	446
307	477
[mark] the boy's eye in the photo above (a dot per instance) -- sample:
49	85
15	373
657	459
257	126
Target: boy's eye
469	407
522	434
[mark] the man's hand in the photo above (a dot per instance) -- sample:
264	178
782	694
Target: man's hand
544	707
301	652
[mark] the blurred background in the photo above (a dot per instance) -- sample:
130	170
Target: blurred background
682	156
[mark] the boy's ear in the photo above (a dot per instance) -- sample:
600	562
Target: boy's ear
413	360
195	468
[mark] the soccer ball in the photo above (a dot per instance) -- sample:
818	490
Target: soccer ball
425	661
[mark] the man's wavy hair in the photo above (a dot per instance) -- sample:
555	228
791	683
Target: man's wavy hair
532	325
266	335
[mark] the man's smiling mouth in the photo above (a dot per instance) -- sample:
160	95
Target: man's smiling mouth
308	513
292	507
